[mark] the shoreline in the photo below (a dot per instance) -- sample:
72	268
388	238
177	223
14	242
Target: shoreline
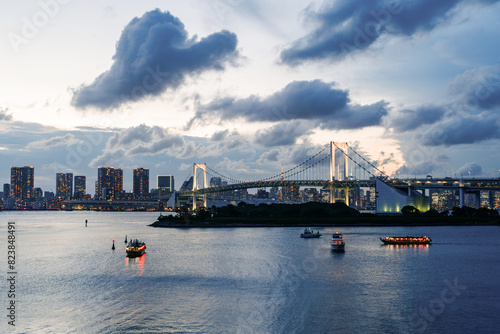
315	225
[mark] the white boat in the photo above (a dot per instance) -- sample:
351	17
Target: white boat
337	243
309	233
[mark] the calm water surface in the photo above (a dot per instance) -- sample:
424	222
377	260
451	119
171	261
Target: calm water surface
246	280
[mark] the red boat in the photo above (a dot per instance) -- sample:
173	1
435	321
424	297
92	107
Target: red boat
406	240
135	248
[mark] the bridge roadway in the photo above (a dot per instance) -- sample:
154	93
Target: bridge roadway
451	184
445	183
279	183
110	204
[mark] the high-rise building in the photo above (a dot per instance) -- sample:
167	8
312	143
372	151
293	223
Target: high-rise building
37	193
64	185
6	191
141	182
22	181
262	193
165	183
80	186
118	181
105	183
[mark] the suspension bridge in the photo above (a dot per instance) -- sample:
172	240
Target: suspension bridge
336	167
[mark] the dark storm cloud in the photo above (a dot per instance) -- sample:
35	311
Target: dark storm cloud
347	26
411	119
357	116
463	130
314	100
154	53
298	100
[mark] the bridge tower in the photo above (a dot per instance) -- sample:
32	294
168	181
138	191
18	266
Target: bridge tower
195	183
345	150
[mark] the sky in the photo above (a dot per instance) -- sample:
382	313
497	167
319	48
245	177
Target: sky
248	87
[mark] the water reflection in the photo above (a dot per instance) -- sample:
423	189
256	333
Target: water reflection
398	248
136	262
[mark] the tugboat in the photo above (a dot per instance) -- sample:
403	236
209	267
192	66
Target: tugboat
135	248
337	244
309	233
406	240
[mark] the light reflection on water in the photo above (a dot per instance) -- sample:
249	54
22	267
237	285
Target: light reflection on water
247	280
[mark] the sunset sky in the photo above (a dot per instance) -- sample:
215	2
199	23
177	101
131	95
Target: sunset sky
248	86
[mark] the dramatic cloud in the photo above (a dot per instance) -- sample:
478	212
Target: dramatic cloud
463	130
299	100
347	26
469	169
424	168
281	134
408	119
154	53
478	88
138	140
357	116
228	141
270	156
45	144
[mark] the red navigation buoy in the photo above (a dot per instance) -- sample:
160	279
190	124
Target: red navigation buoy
113	247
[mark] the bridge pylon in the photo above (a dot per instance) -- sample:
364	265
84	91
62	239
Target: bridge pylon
195	183
334	146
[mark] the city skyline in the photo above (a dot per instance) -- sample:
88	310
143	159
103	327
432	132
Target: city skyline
248	87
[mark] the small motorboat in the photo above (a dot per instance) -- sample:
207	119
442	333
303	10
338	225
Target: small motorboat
309	233
337	244
406	240
135	248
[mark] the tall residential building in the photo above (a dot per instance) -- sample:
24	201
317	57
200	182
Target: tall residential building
80	186
6	191
118	181
64	185
141	182
165	183
105	183
22	180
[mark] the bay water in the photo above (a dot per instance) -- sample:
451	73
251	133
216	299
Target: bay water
244	280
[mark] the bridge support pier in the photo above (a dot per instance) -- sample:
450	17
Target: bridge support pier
461	194
477	199
195	183
345	150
